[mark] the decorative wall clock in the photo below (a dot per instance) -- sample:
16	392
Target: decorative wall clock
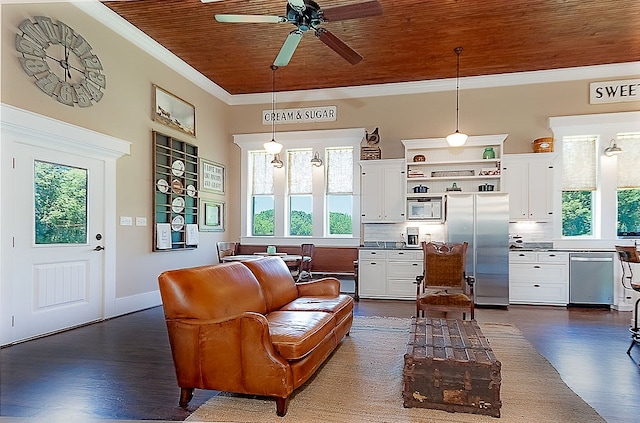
61	61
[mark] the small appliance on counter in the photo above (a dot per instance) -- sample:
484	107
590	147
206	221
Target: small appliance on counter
412	236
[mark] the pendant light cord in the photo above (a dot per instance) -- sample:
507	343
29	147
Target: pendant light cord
457	50
273	103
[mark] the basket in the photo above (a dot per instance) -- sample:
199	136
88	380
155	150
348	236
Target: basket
543	145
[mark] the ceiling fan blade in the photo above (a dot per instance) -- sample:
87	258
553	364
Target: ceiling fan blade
352	11
297	5
337	45
288	48
250	18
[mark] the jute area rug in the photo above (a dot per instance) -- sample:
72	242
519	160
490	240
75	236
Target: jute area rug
362	382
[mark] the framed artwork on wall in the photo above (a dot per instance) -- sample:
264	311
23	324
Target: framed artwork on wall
173	111
212	177
212	215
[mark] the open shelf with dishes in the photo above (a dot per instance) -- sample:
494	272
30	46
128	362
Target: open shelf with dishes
474	167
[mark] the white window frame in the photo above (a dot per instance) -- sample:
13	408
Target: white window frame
317	141
605	127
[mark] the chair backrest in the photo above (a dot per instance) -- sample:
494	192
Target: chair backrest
226	249
628	253
444	264
307	257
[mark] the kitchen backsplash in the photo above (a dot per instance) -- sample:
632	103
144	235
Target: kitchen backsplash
531	232
394	231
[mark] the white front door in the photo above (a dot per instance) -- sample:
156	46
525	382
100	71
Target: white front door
58	217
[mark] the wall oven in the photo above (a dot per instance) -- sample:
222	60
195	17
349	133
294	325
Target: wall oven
426	208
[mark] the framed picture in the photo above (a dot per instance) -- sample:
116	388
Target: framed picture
212	177
211	215
173	111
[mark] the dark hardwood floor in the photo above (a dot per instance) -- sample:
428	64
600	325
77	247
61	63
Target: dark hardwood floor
122	368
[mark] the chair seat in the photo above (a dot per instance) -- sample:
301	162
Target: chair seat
442	298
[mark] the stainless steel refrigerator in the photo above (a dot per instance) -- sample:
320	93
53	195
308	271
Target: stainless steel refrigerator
483	221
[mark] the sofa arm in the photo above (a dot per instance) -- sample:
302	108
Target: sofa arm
325	287
233	355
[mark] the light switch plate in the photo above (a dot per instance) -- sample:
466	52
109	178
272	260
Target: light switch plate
126	220
141	221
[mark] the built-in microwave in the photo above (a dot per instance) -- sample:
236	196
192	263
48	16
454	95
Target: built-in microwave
425	208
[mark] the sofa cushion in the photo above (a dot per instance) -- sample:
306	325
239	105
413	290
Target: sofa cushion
295	334
274	276
340	306
210	292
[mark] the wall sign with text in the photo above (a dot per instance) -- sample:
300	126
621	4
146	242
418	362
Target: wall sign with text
614	91
211	177
302	115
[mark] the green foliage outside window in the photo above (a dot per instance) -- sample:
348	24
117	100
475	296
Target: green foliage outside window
628	211
301	223
339	223
60	204
576	213
264	223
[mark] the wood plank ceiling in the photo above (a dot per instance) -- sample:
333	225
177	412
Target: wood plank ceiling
412	41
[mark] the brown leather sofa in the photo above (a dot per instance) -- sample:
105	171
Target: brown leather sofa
249	328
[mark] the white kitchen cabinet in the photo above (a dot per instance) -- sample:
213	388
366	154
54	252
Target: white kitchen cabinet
539	277
528	178
389	274
382	191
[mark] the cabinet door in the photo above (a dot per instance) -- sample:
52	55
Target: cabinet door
372	276
514	181
371	193
393	199
540	191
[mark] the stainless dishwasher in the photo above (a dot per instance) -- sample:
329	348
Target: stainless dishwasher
591	278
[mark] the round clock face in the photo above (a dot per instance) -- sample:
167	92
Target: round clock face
61	61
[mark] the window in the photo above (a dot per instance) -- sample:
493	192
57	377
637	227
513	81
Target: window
300	192
628	185
300	202
578	185
60	204
262	216
340	190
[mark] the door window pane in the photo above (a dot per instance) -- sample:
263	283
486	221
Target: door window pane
60	204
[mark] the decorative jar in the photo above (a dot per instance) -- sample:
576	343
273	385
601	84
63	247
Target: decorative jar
489	153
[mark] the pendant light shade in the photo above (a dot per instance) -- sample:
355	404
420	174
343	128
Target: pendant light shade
458	138
273	146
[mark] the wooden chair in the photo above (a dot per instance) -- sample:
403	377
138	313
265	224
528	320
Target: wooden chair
307	259
226	249
628	255
444	286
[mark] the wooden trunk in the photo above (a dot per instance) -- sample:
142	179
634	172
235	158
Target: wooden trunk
450	366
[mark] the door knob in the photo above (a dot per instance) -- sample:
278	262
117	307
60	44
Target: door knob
98	248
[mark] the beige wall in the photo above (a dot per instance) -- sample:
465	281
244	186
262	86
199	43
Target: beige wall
124	112
520	111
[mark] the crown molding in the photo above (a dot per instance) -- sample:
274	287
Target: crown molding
122	27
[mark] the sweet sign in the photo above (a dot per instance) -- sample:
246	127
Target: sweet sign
614	91
301	115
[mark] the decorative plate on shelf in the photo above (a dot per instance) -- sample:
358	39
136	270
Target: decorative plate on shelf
176	186
163	186
177	168
177	223
191	190
177	205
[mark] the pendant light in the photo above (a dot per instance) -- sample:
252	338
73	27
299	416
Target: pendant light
458	138
273	147
613	149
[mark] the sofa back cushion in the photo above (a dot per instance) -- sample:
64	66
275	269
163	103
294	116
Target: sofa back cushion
210	292
274	276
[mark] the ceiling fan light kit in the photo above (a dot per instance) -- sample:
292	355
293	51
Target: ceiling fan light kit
457	139
306	15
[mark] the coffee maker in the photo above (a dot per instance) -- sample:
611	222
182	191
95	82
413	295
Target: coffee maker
412	236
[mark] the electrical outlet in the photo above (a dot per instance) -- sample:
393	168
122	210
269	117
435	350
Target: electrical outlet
141	221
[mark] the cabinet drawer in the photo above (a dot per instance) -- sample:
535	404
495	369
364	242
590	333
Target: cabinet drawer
522	256
404	255
553	257
372	255
537	272
538	293
404	269
403	289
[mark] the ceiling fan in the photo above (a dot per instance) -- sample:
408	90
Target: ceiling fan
307	15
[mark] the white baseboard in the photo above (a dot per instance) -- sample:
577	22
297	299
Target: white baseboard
133	303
